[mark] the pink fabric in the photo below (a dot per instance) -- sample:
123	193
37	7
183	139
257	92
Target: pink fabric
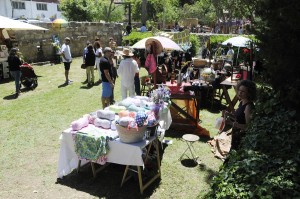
175	89
150	63
80	123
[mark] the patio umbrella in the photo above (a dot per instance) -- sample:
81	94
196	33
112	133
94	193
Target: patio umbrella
238	41
163	43
10	24
59	23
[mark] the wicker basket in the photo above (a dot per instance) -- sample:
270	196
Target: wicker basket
131	135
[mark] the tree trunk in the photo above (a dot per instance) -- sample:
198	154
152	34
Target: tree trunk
144	11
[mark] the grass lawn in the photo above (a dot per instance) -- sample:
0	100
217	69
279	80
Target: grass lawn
29	143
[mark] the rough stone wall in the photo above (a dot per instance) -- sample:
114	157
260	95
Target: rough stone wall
79	32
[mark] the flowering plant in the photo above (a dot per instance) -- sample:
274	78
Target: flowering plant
160	95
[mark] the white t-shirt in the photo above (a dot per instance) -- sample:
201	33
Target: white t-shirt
65	49
230	55
127	69
98	51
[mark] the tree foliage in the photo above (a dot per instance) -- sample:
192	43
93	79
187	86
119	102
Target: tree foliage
91	10
278	31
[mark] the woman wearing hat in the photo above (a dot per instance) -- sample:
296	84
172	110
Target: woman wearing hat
127	70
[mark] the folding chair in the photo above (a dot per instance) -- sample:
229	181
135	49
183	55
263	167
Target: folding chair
190	139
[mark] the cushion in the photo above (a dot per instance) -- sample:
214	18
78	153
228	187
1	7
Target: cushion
105	114
106	124
80	123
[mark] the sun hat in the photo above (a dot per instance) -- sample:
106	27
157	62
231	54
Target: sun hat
68	39
107	49
126	52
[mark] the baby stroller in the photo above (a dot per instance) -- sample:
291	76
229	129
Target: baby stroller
28	77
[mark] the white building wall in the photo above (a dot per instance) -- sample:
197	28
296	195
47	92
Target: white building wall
30	10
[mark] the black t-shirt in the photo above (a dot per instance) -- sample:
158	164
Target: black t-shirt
105	65
90	58
14	63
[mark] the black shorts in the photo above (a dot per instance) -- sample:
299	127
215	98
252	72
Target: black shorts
67	65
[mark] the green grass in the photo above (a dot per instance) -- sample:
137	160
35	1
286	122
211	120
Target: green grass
29	141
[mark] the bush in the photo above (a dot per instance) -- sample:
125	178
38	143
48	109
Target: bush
195	45
268	163
134	37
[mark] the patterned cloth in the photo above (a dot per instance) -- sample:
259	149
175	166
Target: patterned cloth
90	147
140	118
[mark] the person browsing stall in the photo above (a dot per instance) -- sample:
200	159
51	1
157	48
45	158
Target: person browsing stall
66	58
107	80
230	54
127	70
89	60
98	54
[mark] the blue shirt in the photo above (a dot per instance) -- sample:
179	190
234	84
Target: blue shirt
143	29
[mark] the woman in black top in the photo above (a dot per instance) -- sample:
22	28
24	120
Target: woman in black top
14	64
246	91
90	58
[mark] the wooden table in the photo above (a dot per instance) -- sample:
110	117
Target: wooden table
231	103
184	94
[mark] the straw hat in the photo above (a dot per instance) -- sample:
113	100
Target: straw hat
127	52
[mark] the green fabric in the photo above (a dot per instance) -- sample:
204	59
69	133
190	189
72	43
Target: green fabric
89	147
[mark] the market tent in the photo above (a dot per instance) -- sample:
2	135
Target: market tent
10	24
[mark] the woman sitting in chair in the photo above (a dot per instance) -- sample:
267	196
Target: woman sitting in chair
223	143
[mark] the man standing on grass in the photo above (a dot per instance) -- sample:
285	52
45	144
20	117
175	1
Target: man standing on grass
107	80
67	58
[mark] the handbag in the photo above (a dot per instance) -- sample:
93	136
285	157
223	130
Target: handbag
83	66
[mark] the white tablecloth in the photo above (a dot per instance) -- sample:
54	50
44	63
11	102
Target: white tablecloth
119	153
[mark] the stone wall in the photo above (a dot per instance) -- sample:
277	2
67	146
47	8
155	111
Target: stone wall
79	32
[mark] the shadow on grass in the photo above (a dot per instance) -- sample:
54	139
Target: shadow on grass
12	96
107	183
86	87
188	163
63	85
177	132
211	173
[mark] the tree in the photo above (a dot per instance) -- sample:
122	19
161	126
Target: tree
91	10
77	10
203	10
278	31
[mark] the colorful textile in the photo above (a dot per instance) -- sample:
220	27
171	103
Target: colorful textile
150	63
140	118
90	147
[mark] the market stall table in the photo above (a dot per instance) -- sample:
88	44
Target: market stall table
231	102
189	91
119	152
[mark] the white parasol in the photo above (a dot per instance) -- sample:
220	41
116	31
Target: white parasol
238	41
163	43
10	24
